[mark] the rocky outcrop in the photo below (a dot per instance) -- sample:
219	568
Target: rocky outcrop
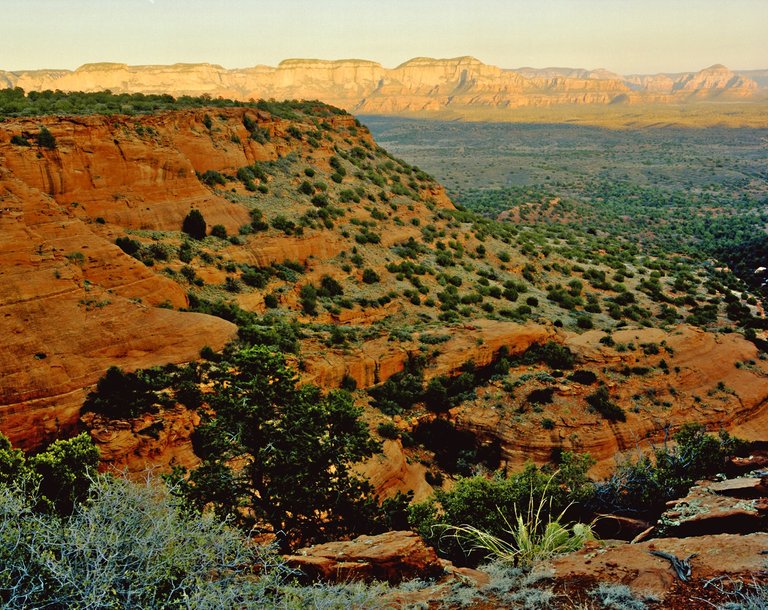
391	472
151	441
419	85
697	365
719	556
71	305
71	302
378	359
714	81
735	506
391	557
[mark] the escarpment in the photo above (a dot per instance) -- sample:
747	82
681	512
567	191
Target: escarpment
461	86
300	232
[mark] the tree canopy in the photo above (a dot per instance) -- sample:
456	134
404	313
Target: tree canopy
279	452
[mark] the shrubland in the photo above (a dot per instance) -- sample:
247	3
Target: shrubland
404	267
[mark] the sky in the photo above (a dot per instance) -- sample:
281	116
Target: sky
625	36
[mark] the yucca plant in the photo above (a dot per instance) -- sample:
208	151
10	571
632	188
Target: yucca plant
533	536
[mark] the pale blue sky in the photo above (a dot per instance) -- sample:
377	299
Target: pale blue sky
625	36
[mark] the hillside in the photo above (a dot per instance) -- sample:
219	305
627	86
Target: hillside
180	241
323	244
461	87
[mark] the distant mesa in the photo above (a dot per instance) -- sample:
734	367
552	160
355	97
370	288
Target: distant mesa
459	85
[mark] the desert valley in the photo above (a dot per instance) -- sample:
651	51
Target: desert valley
374	328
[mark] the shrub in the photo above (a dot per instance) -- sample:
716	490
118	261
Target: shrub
535	534
53	480
282	450
45	138
542	396
308	299
128	245
194	224
348	383
219	231
617	597
271	300
370	276
131	545
306	188
583	377
388	430
281	223
479	502
20	140
320	201
329	287
553	354
601	402
211	177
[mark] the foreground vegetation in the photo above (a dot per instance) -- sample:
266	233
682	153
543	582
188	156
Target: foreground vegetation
130	545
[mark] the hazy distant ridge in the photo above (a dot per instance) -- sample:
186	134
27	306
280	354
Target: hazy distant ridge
418	85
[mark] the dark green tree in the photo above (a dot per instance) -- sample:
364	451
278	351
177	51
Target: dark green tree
45	138
278	452
56	478
194	225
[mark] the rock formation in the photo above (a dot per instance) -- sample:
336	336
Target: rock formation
420	85
72	302
391	557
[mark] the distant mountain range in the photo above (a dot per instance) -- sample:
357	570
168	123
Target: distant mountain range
418	85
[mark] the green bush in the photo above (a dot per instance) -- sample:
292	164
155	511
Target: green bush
219	231
552	354
370	276
128	245
211	177
194	224
53	480
329	287
600	401
644	486
281	450
388	430
308	299
306	188
130	546
121	395
479	502
45	138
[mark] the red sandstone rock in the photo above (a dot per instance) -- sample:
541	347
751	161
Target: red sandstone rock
721	555
730	506
393	557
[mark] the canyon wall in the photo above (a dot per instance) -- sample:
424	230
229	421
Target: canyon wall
416	86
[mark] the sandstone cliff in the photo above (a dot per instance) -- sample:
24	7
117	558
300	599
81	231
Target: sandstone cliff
72	302
419	85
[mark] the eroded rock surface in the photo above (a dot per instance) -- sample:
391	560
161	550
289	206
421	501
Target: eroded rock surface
391	557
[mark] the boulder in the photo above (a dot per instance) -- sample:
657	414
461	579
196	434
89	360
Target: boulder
724	555
391	557
735	506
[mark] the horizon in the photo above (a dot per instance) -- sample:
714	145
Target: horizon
621	36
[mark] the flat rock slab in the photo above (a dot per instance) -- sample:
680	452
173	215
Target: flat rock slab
633	565
391	557
733	506
741	487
